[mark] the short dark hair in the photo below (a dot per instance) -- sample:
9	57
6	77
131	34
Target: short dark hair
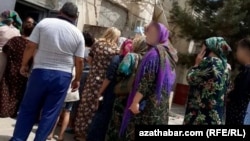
245	43
70	9
27	29
89	39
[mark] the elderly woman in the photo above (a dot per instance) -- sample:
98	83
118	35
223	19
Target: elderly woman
208	80
148	100
13	84
100	122
99	57
125	69
9	26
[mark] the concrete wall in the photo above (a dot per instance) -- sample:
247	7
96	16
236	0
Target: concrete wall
138	11
7	4
112	15
181	44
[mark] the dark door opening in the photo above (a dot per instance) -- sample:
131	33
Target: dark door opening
28	10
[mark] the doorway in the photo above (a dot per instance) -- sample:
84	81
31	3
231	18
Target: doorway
25	9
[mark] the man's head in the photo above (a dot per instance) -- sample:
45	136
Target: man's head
29	20
27	29
70	11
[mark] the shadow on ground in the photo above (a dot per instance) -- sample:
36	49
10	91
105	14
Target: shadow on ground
4	138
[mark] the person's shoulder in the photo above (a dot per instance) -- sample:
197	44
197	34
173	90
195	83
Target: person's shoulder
16	38
45	20
116	59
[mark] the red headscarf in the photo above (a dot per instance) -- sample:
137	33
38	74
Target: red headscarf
126	47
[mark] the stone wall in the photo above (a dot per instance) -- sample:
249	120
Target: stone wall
140	12
112	15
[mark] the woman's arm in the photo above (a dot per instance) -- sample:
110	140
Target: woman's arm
197	74
135	105
89	60
104	86
110	74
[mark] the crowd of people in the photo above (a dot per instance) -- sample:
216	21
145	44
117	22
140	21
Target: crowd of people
53	74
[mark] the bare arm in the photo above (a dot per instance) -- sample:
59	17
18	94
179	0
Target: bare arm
78	73
27	56
78	68
138	97
89	60
135	104
29	53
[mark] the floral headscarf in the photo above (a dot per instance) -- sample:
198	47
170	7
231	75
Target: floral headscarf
11	16
219	46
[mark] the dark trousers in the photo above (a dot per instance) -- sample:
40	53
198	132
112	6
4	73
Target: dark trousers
100	122
46	91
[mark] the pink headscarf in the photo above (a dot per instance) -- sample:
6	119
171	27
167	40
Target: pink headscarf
126	47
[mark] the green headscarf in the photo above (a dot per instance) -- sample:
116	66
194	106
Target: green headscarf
219	46
11	16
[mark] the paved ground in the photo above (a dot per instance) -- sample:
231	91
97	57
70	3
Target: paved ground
7	124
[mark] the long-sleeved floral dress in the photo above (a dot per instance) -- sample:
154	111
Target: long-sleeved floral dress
13	84
208	86
152	114
101	54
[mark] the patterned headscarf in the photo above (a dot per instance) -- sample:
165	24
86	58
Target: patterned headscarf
165	73
11	16
219	46
140	45
164	41
126	47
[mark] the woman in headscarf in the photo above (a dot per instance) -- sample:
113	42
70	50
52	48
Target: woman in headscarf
238	105
148	101
125	69
9	28
208	80
100	122
13	84
99	58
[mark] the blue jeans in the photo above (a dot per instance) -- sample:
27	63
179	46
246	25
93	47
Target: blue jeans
46	91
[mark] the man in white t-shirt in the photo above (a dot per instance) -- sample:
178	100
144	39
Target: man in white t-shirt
60	48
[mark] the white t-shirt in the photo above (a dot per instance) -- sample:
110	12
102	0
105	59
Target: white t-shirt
59	42
86	53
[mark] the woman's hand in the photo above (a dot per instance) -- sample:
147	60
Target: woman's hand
200	57
134	108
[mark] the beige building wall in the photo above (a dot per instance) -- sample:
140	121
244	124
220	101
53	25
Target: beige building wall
140	12
181	44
